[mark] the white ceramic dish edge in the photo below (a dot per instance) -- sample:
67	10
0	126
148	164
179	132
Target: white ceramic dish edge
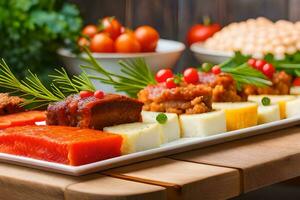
184	144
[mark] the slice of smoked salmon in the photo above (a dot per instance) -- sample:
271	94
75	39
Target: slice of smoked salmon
60	144
22	118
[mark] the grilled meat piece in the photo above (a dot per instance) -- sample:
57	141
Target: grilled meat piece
95	113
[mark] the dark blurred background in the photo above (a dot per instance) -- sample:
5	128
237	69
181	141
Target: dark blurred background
172	18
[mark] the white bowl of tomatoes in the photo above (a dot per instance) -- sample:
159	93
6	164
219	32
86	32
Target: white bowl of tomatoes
112	42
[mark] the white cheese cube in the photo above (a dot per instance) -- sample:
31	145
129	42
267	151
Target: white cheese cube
293	108
137	136
170	130
268	114
201	125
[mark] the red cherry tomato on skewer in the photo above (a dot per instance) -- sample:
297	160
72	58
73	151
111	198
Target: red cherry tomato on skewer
251	62
163	74
259	64
216	70
268	70
99	94
85	94
296	82
190	75
170	83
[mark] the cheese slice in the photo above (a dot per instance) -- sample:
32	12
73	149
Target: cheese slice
170	129
295	90
275	99
201	125
293	108
238	114
268	114
137	136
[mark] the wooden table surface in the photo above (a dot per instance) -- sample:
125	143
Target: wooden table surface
218	172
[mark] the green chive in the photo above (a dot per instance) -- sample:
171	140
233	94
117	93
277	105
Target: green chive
161	118
266	101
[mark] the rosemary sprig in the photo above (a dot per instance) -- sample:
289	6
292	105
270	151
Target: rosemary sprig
135	75
243	74
72	85
35	93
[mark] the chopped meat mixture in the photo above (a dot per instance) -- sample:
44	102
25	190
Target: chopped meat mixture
223	87
185	99
10	104
282	83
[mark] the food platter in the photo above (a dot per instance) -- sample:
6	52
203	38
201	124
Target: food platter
178	146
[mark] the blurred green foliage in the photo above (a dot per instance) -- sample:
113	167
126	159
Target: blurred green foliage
32	30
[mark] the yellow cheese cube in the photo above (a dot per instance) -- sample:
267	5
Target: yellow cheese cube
238	114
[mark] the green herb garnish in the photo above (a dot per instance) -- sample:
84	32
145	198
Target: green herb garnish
162	118
266	101
35	93
135	75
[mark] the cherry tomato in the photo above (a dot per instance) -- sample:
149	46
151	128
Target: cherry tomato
251	62
296	82
170	83
259	64
127	43
85	94
101	42
163	74
200	32
99	94
147	37
190	75
83	42
216	70
90	30
111	26
268	70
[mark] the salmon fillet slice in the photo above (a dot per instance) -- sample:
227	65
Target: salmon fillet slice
60	144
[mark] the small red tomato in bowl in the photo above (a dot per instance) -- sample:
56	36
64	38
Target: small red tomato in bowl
111	26
201	32
251	62
83	42
90	30
101	42
147	37
191	75
127	43
163	74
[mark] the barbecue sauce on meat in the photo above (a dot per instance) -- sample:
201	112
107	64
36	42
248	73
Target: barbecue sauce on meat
94	113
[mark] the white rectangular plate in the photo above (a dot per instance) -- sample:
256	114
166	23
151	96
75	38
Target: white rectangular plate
178	146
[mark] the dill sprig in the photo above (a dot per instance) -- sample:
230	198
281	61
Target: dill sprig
135	75
35	93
